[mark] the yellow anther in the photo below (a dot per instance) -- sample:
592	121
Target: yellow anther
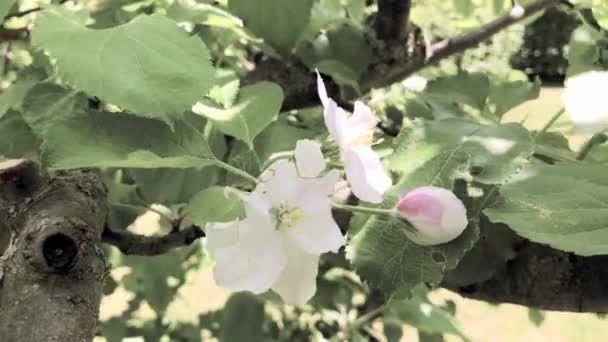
287	215
364	139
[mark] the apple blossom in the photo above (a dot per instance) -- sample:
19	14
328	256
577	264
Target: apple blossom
288	224
585	100
353	135
437	215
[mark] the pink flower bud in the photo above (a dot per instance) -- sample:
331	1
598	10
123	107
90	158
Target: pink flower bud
436	213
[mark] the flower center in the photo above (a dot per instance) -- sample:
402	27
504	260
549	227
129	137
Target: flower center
286	215
365	138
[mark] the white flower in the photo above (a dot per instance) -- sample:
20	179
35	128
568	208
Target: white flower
287	225
436	213
353	135
586	101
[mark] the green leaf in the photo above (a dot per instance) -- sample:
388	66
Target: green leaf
13	96
384	256
583	50
506	95
226	87
173	186
150	276
214	204
495	247
496	152
148	66
464	7
216	17
279	22
99	139
243	319
420	313
537	317
564	206
467	88
47	103
256	107
16	138
356	9
6	6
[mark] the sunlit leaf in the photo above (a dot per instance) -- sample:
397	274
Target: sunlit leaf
148	66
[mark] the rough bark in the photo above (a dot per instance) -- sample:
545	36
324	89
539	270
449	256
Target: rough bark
545	278
52	273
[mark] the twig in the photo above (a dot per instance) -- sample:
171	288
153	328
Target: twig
133	244
26	12
449	47
550	123
596	139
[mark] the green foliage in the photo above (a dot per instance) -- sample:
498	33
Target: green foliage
5	7
12	97
426	317
99	139
279	22
47	103
243	319
561	205
127	87
384	256
148	66
214	204
255	108
18	139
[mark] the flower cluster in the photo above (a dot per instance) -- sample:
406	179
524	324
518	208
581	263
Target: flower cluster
288	222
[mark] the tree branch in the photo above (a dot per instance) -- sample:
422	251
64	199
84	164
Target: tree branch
133	244
392	19
395	61
443	49
545	278
26	12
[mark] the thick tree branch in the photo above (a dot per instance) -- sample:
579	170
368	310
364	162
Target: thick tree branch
443	49
545	278
133	244
394	61
392	19
52	273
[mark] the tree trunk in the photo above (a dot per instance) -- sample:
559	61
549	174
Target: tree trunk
52	272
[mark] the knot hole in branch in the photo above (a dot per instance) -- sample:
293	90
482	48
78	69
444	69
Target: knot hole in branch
59	251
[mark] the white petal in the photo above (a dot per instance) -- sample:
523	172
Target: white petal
336	121
436	213
309	158
586	101
253	263
298	282
321	90
317	232
257	206
221	235
313	189
363	119
365	173
279	182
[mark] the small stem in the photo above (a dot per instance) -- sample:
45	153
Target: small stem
236	171
596	139
277	156
366	318
367	210
551	121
